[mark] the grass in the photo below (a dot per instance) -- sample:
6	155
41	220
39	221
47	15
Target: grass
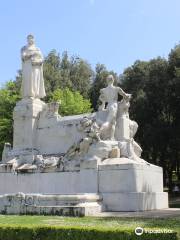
111	223
97	222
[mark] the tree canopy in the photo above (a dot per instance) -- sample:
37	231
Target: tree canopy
156	94
71	102
63	71
8	98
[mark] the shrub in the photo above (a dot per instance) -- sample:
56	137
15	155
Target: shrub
75	233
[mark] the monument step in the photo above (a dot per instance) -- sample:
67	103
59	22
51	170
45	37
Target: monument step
46	204
74	211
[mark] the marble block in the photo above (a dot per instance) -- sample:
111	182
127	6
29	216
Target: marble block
43	204
131	186
84	181
25	117
134	201
130	177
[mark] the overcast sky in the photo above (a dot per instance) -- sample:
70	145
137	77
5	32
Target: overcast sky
112	32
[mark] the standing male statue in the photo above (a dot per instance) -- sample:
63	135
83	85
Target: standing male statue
109	95
32	70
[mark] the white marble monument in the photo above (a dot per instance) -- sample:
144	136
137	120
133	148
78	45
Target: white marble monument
77	165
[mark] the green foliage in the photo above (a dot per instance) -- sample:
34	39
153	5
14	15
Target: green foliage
66	72
57	227
71	102
52	73
155	88
75	233
8	99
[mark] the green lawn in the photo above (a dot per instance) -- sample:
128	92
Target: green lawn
98	222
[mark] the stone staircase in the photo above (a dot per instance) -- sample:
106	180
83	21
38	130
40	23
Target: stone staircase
63	205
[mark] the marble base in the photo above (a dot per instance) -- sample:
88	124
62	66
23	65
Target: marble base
72	182
43	204
134	201
129	186
123	184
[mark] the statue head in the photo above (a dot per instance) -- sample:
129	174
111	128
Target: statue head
110	79
30	39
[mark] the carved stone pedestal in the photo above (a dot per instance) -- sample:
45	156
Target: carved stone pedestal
121	183
25	115
128	186
77	205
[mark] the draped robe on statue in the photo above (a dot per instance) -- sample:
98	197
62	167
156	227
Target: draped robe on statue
32	72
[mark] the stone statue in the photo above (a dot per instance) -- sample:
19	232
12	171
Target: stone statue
128	146
92	135
32	70
109	95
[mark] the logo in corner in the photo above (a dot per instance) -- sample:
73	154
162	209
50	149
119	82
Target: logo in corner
139	231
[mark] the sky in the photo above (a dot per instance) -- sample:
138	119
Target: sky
112	32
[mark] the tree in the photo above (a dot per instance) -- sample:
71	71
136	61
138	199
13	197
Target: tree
81	76
52	73
154	107
8	98
174	86
66	72
71	102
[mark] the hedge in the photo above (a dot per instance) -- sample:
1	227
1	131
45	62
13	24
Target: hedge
76	233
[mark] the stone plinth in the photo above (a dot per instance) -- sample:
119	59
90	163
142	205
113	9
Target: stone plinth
43	204
25	117
129	177
134	201
84	181
131	186
123	184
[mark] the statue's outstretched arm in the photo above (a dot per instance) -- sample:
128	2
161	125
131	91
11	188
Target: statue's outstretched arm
123	94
